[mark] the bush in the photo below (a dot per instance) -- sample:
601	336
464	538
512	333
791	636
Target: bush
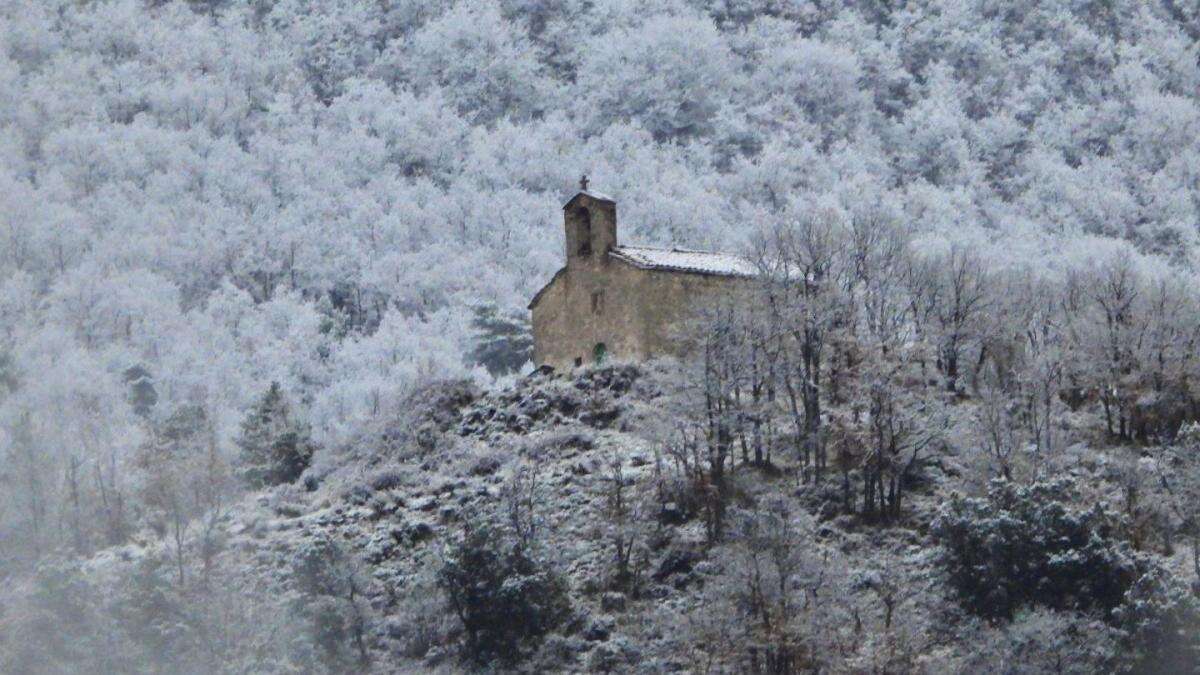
124	619
329	599
1023	546
487	464
506	597
1161	618
387	478
1042	642
54	627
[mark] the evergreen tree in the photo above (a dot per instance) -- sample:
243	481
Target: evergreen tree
504	342
507	596
274	447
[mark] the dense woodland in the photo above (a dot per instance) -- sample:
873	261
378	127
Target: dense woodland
268	260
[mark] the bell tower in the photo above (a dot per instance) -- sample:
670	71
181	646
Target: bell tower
590	219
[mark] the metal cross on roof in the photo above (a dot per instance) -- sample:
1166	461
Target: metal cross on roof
583	181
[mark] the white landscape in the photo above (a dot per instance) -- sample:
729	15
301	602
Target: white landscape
272	399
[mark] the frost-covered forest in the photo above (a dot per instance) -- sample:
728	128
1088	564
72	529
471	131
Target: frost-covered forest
242	241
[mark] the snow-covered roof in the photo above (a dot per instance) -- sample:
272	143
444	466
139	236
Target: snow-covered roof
683	260
672	260
599	196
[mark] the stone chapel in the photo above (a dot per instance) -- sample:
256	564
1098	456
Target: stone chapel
621	302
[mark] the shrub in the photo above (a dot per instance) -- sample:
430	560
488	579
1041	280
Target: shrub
506	597
53	628
112	619
387	478
487	464
329	599
1161	619
1023	546
1042	642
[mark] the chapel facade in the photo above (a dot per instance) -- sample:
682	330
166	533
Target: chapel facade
621	302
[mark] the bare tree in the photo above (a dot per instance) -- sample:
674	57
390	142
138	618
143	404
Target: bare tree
1114	332
521	495
187	483
623	522
901	428
1000	429
212	487
802	265
962	287
27	466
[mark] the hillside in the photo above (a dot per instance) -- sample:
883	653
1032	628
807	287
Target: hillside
265	354
339	572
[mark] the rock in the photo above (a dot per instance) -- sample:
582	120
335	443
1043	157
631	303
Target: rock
436	655
426	504
567	406
576	441
611	656
379	548
535	407
828	510
601	417
677	561
411	534
449	487
598	629
657	592
671	514
419	532
681	581
613	602
358	495
485	466
395	628
560	649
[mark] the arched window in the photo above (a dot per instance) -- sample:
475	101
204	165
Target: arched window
585	231
599	352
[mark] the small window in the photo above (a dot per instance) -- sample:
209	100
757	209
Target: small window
585	231
600	352
578	361
598	302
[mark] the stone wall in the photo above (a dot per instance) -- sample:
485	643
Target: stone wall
637	313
